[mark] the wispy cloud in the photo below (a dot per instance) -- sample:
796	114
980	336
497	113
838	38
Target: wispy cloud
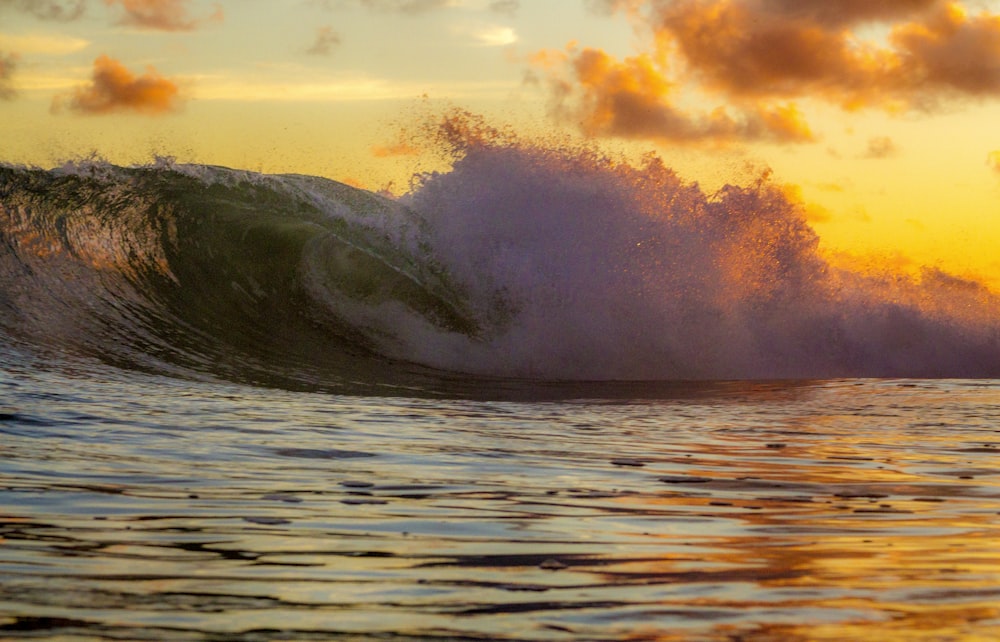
506	7
497	36
326	40
880	147
8	63
609	7
60	10
46	44
993	160
759	58
292	83
395	150
487	35
407	6
113	88
162	15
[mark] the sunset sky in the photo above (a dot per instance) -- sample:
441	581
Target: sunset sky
882	116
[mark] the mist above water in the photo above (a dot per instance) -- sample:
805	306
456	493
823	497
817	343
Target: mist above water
617	271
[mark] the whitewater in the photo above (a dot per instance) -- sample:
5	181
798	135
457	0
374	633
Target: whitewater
544	395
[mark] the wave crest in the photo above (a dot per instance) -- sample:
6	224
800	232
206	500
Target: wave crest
520	261
625	272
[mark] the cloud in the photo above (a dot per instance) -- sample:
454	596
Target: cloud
813	213
780	48
48	44
395	150
303	83
847	12
8	63
488	35
64	10
635	99
993	160
609	7
326	40
113	88
406	6
411	7
756	59
162	15
830	186
742	52
953	51
880	147
497	36
506	7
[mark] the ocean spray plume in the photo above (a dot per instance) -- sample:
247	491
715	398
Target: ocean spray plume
522	260
623	272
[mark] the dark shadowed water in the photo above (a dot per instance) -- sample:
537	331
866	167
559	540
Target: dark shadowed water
148	508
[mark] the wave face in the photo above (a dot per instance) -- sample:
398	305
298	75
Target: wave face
520	261
204	269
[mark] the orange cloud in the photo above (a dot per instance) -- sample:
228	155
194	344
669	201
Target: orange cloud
993	160
114	88
755	57
353	182
8	62
812	212
634	98
400	148
847	12
744	50
780	48
952	51
163	15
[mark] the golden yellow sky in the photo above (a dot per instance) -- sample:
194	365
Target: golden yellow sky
882	116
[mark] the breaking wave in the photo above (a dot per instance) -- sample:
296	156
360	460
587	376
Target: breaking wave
520	261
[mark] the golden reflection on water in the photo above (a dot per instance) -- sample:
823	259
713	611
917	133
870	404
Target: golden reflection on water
833	513
894	538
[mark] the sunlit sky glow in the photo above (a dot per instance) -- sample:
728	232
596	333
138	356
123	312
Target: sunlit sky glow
881	116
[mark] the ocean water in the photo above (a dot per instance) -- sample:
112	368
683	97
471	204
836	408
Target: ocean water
141	507
543	396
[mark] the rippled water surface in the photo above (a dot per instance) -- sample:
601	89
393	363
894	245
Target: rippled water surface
152	508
